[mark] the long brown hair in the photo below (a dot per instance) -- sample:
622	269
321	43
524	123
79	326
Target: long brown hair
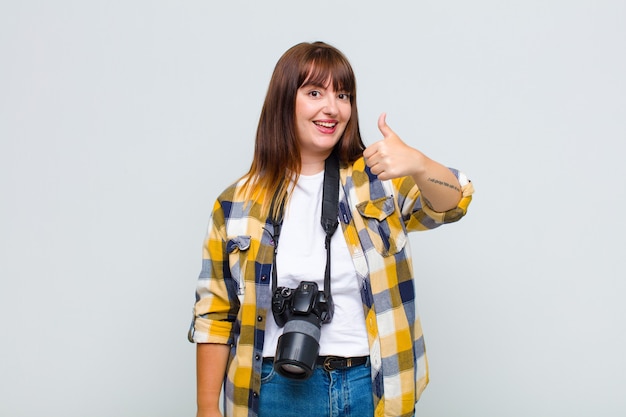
276	151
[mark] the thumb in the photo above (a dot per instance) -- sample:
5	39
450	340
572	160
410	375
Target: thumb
383	127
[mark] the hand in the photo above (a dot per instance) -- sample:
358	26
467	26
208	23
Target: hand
390	157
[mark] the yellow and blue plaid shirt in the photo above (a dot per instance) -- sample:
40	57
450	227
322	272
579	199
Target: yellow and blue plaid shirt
234	287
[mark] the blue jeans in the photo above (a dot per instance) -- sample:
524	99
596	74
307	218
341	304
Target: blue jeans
338	393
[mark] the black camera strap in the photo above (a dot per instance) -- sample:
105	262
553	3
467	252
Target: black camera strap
330	209
329	218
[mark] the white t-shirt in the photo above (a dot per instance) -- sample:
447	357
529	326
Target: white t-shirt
302	257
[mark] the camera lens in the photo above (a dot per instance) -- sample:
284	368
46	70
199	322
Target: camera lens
291	369
298	348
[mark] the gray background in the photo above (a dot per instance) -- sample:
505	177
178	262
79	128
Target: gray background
120	121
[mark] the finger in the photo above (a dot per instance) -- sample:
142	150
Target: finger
383	127
369	151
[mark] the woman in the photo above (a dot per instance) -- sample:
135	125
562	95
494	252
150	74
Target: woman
265	232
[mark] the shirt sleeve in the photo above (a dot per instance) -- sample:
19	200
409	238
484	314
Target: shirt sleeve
418	215
216	305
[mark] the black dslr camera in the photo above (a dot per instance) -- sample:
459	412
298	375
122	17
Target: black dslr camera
302	311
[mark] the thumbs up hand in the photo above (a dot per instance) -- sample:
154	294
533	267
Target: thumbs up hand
390	157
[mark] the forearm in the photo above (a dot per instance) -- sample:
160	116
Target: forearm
438	185
211	360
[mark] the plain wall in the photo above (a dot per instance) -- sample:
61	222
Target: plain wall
121	121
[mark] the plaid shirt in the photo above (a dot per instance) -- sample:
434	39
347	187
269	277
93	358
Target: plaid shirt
234	287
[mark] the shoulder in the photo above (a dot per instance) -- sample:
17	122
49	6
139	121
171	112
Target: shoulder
230	196
358	172
240	201
359	176
232	192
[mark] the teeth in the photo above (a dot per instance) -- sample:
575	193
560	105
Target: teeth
325	124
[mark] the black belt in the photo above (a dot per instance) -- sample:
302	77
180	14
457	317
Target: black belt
331	363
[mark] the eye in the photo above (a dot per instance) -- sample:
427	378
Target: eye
344	96
315	93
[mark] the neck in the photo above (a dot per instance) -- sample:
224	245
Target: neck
312	164
311	168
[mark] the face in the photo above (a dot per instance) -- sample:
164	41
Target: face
321	118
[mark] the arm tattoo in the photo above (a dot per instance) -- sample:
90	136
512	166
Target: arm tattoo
445	184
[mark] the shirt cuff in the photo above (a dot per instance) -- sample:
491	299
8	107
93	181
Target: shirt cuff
456	213
210	331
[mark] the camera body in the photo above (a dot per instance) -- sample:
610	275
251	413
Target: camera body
306	299
301	311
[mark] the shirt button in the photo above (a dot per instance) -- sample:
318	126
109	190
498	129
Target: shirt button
255	394
257	357
259	318
264	278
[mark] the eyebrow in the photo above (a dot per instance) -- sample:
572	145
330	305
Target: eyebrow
325	87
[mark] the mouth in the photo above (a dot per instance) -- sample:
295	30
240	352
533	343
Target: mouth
328	125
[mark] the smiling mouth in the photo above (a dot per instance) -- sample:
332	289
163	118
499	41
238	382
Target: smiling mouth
326	124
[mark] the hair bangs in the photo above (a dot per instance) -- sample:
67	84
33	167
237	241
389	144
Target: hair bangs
326	68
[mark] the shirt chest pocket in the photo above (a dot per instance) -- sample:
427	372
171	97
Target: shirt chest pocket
237	249
383	224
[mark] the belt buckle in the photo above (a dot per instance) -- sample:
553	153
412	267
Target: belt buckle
327	362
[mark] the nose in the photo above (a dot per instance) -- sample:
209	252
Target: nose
330	107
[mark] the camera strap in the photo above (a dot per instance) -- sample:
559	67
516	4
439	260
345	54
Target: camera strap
329	219
330	209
